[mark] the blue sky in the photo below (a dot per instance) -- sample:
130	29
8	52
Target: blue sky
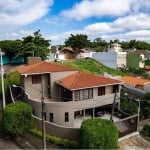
57	19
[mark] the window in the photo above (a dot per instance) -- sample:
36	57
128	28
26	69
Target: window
33	111
115	88
51	117
45	115
36	79
83	94
77	95
66	116
101	91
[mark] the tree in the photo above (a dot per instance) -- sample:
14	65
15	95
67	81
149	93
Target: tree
10	47
35	46
145	105
17	119
99	44
98	134
77	41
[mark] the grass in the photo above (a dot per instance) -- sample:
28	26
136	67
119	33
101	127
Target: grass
92	66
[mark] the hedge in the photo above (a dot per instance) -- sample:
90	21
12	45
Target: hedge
66	143
17	119
98	134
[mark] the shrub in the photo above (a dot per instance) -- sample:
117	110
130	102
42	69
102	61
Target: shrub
146	131
66	143
17	119
98	134
14	78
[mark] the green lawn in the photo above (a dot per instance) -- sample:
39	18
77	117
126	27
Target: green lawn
92	66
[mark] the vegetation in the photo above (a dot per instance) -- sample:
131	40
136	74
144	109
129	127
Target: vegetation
92	66
78	41
13	78
98	134
145	105
17	119
146	131
66	143
32	45
130	106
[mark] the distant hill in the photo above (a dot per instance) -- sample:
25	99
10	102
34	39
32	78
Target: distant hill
92	66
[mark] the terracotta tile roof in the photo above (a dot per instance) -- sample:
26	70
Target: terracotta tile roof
84	80
134	81
42	67
147	67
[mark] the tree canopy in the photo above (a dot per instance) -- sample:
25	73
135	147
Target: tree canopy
32	45
77	41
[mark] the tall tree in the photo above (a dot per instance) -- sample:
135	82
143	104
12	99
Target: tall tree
35	45
10	47
99	44
77	41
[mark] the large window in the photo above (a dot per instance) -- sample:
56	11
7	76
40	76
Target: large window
101	91
66	116
115	88
36	79
83	94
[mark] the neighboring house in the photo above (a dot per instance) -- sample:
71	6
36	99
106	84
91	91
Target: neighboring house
115	47
68	53
85	53
111	59
136	59
16	60
68	93
136	87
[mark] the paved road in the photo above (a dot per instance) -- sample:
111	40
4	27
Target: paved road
8	144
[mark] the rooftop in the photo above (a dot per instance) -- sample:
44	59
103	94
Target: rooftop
43	67
134	81
84	80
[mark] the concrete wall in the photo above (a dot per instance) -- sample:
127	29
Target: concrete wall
34	90
108	59
59	108
59	131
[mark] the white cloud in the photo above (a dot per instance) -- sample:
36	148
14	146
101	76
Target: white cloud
133	22
89	8
143	35
16	34
22	12
128	27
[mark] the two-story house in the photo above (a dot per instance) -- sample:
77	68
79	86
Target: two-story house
68	93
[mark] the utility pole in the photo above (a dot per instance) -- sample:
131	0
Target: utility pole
2	81
43	120
113	107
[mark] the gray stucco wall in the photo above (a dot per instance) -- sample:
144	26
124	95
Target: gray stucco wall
108	59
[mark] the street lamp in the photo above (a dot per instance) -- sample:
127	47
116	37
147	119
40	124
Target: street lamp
43	116
2	80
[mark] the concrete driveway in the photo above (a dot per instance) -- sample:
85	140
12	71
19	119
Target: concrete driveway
134	141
